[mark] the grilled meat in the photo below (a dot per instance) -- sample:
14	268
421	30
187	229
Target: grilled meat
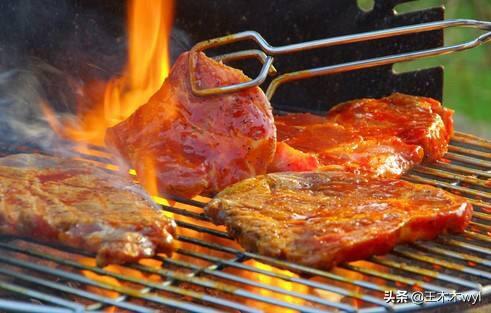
415	120
337	147
324	218
198	144
77	204
381	137
287	158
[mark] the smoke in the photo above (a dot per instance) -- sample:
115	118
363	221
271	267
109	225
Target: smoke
49	50
22	94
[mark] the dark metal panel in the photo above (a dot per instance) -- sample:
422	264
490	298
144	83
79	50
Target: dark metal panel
85	39
283	22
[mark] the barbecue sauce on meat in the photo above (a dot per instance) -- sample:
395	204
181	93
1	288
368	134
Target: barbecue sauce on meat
77	204
198	144
415	120
337	147
379	137
321	219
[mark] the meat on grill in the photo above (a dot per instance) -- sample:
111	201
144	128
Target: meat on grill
416	120
320	219
76	204
308	142
382	137
198	144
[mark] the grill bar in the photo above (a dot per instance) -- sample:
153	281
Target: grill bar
467	159
481	226
482	216
78	278
465	245
39	295
292	279
65	289
430	273
477	236
466	190
397	278
229	289
467	268
295	267
465	138
458	168
449	175
239	279
453	254
474	153
16	306
416	255
151	285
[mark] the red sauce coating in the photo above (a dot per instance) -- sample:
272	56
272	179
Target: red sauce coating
198	144
321	219
381	137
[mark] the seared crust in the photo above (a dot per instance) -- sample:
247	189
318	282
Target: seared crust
324	218
303	137
77	204
203	144
415	120
380	137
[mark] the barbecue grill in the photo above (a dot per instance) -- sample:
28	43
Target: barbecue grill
210	273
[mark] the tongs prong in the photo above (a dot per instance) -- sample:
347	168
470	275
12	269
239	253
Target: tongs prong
265	55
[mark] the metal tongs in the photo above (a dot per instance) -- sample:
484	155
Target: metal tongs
265	55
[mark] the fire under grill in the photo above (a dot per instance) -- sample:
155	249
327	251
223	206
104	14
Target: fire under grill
210	273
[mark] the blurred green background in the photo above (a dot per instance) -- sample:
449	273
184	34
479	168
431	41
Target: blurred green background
467	87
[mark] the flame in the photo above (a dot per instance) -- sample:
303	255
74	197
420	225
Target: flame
149	176
111	281
100	278
273	281
148	64
149	28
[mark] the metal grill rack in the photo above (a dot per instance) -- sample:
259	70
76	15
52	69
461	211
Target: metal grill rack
210	273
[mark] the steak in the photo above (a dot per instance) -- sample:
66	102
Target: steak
77	204
198	144
320	219
303	137
415	120
380	137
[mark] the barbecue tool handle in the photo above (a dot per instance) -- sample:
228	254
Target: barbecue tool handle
265	55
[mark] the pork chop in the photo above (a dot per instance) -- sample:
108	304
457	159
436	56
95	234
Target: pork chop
335	146
198	144
77	204
320	219
415	120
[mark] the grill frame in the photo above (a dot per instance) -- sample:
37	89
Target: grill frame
468	155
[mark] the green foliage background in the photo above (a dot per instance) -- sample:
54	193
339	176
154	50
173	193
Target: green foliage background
468	73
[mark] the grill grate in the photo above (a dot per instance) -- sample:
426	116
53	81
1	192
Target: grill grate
210	273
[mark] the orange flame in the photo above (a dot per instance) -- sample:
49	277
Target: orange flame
272	281
149	28
148	64
113	282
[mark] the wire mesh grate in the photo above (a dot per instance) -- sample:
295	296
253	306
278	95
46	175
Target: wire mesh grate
210	273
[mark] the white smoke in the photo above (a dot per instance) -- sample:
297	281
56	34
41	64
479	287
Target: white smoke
21	118
24	92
